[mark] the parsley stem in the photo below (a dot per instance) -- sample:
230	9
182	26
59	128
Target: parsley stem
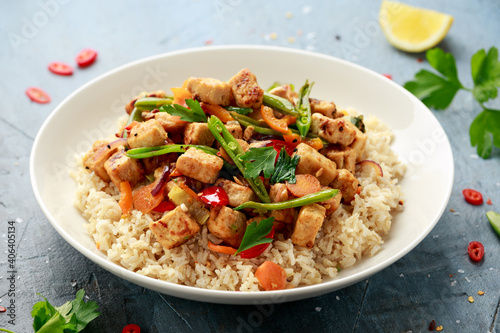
297	202
161	150
234	150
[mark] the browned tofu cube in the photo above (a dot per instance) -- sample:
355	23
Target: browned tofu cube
285	91
147	134
94	160
309	221
174	228
171	124
246	91
340	130
279	193
122	168
328	109
199	165
198	134
332	204
344	157
313	163
209	90
238	194
359	144
346	183
227	224
235	130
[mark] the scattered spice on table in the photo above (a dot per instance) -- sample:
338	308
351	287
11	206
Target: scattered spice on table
291	40
209	42
439	328
452	210
288	14
273	35
389	76
419	60
480	293
489	202
471	299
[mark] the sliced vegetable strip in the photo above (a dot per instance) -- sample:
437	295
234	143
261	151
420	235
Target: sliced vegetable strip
221	248
281	104
150	103
218	111
125	198
276	124
243	111
161	150
304	109
234	150
305	200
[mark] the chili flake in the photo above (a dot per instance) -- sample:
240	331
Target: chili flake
489	202
439	328
480	293
2	309
471	299
452	210
432	325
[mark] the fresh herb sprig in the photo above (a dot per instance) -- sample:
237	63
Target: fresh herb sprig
438	91
285	168
256	233
72	316
194	114
259	160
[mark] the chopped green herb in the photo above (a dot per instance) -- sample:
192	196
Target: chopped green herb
72	316
285	168
256	233
439	90
193	114
358	122
259	160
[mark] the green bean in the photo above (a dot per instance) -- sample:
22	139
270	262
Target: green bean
150	103
281	104
304	108
297	202
234	150
135	115
146	152
243	111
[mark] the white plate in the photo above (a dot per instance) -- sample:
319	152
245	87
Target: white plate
90	113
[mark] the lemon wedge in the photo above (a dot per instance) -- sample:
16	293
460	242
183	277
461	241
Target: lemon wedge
413	29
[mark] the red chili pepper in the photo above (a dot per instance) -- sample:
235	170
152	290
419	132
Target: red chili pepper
131	328
215	196
86	58
389	76
164	206
60	68
278	144
476	251
38	95
473	197
432	325
2	309
257	250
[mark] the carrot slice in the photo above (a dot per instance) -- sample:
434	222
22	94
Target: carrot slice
271	276
276	124
125	198
221	248
216	110
180	96
306	184
144	201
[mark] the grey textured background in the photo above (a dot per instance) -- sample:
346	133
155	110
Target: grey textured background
431	283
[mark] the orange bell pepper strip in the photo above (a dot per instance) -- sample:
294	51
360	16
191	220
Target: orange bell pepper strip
216	110
143	199
295	139
221	248
180	96
125	198
276	124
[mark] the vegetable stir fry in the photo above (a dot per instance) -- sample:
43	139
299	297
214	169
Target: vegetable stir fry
246	163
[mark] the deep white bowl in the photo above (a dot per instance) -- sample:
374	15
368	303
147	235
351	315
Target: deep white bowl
90	113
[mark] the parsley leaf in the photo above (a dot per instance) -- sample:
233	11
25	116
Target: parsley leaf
193	114
485	69
285	168
485	132
256	233
434	90
259	160
72	316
